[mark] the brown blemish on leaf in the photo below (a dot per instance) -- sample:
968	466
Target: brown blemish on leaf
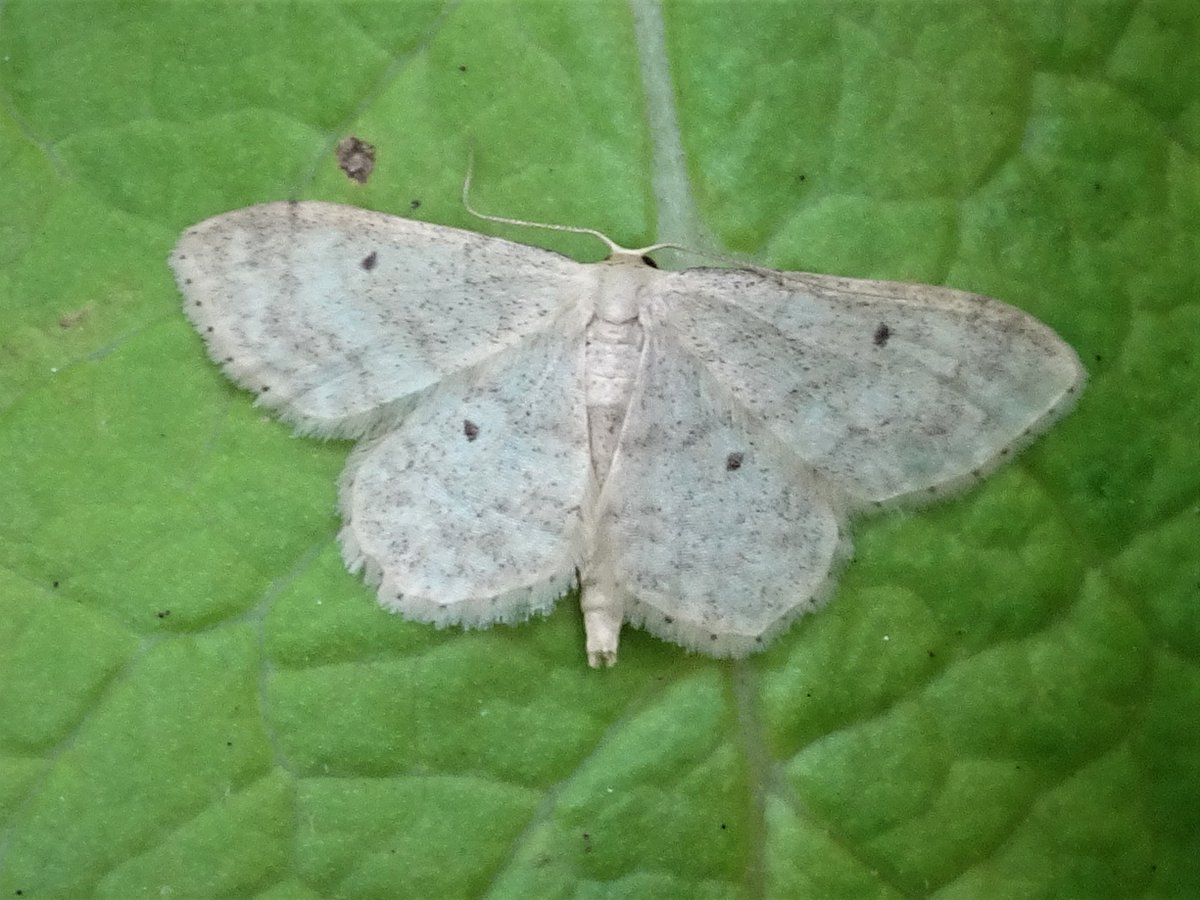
356	158
71	319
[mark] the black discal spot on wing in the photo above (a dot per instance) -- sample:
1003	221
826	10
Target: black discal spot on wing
649	262
882	333
470	429
733	461
368	261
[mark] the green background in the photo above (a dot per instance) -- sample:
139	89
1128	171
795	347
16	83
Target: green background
197	699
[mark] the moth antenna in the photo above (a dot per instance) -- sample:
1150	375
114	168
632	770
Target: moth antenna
613	247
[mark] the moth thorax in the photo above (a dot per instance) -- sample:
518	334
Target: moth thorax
620	281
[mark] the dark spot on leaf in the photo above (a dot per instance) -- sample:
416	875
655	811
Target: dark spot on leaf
733	461
587	843
368	261
414	204
882	333
356	158
163	613
70	320
470	429
54	583
649	262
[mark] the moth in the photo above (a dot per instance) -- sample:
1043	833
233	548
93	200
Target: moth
684	447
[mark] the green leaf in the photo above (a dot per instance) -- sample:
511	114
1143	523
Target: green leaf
197	699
